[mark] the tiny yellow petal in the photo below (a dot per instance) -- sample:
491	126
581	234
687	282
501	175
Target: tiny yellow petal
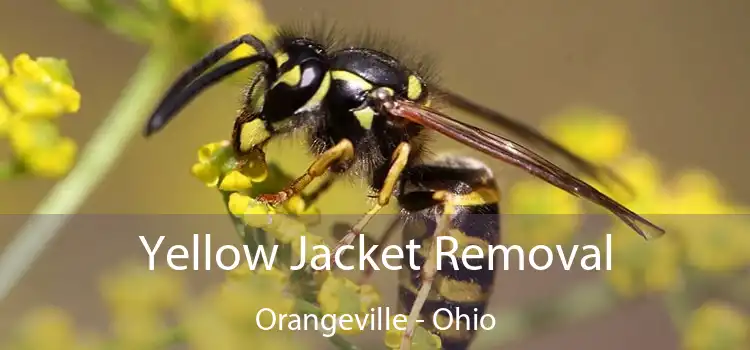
258	214
32	97
26	135
24	66
238	203
295	205
235	181
53	161
205	172
207	151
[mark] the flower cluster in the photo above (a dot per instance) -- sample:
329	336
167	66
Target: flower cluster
36	93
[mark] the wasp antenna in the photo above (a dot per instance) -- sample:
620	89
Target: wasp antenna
183	90
179	100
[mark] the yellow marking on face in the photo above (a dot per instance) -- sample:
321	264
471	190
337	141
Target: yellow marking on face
320	94
478	197
253	134
413	88
291	77
351	78
281	58
459	291
365	117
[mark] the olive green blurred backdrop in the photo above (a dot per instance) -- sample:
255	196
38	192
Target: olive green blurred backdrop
676	70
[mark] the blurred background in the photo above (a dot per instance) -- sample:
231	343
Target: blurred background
674	71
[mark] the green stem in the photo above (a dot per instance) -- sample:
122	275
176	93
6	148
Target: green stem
102	151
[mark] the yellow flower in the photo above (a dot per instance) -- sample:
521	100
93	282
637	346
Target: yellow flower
41	88
339	295
43	151
138	330
697	192
239	301
216	161
716	325
206	173
198	10
421	340
6	116
4	69
235	181
596	136
540	214
715	243
640	266
136	291
241	17
48	329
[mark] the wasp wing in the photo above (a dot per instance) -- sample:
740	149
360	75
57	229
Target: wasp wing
518	155
533	136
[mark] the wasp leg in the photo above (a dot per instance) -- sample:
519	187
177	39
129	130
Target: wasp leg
341	152
398	163
429	269
315	194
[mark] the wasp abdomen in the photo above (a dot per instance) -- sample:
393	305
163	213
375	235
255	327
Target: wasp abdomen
464	280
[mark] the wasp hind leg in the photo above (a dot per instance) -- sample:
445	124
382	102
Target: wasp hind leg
454	197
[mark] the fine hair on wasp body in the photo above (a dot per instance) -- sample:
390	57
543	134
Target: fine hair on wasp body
367	113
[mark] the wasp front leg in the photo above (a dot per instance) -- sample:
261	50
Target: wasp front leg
342	152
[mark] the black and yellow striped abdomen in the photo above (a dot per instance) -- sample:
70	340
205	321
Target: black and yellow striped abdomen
457	289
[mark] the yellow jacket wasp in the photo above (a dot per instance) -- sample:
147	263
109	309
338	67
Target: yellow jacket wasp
366	113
